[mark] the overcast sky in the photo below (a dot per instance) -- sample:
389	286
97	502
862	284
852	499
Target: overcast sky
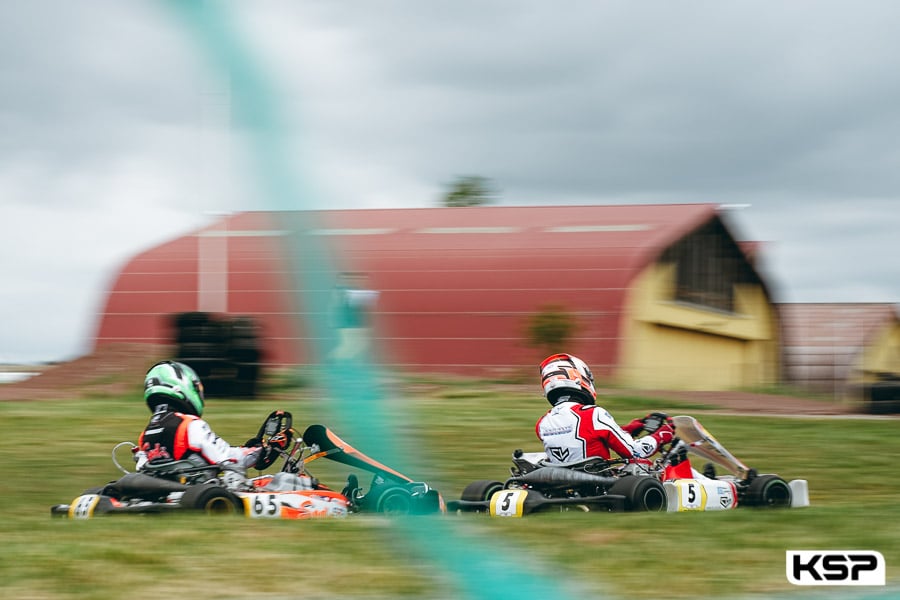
117	135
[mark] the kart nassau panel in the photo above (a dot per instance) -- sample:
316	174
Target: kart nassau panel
333	447
702	443
700	495
799	493
508	503
317	504
84	506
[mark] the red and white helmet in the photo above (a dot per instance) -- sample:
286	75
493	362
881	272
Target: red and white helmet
566	375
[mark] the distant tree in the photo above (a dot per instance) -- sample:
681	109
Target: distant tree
550	328
470	190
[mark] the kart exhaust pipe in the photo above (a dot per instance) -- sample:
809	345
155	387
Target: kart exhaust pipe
562	476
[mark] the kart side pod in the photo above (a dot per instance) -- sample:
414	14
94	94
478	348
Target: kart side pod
700	495
705	494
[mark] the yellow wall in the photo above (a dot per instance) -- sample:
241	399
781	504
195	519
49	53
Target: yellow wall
881	355
672	345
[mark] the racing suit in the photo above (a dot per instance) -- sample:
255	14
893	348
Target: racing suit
174	435
572	432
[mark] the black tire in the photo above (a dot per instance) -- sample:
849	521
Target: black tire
202	365
769	491
185	325
212	499
200	350
242	356
247	372
395	501
481	490
191	319
642	494
208	333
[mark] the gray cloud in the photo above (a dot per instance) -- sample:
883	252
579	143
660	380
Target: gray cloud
117	135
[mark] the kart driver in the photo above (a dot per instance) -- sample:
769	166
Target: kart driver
174	394
576	429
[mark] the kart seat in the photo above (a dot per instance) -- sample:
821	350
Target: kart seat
190	467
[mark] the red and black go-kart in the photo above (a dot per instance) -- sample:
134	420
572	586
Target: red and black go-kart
669	483
291	493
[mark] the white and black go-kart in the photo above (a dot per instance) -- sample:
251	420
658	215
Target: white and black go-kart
291	493
669	483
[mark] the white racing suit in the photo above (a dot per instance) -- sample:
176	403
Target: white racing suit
572	432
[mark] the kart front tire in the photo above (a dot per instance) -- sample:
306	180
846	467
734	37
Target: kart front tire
479	491
395	501
212	499
642	494
768	491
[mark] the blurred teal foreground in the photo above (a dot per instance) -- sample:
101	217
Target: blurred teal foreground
478	568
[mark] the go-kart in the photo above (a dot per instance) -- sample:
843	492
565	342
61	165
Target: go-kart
669	483
291	493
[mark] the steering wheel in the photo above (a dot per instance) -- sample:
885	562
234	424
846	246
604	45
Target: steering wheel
654	421
275	435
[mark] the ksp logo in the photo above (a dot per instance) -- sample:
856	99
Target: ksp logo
835	567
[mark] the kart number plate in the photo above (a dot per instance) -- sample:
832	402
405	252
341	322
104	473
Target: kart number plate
301	505
691	495
262	506
83	506
508	503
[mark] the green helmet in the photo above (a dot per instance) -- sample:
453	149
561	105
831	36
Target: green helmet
175	384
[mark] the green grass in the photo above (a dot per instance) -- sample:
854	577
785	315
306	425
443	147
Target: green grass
461	431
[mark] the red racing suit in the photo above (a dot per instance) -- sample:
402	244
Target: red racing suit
572	432
174	435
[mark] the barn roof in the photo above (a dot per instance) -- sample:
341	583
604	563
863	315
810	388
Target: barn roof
638	231
456	284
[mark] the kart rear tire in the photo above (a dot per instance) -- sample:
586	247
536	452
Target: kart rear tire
768	491
212	499
642	494
395	501
481	490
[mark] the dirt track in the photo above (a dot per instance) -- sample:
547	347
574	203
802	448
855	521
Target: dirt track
108	372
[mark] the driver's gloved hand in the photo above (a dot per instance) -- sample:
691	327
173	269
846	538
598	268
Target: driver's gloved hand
664	435
281	439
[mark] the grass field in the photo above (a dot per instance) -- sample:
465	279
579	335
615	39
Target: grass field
455	432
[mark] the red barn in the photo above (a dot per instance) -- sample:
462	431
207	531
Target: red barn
659	295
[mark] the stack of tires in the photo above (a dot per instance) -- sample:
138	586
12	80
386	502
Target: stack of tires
199	339
243	355
224	351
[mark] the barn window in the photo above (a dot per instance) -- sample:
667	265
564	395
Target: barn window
709	264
